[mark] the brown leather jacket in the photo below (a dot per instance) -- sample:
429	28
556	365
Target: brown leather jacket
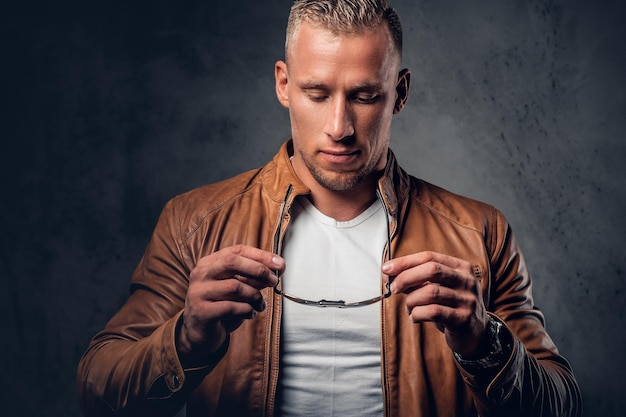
132	368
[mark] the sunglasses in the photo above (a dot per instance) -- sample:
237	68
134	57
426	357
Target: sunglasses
325	302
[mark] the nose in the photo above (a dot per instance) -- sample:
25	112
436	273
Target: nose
339	123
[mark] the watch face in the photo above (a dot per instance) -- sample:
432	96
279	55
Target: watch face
496	357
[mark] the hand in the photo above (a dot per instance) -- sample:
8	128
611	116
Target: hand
442	289
224	290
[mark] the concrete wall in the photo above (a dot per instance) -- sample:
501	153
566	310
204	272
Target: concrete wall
110	108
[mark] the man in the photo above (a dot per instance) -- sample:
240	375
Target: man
428	309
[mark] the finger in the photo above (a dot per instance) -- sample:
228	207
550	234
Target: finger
269	259
228	290
229	313
416	270
444	306
254	265
443	316
397	265
432	272
251	265
432	293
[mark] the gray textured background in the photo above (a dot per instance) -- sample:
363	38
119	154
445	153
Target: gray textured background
109	109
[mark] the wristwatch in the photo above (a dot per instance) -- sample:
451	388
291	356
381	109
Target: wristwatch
498	352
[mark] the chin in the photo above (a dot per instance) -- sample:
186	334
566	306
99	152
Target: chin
339	182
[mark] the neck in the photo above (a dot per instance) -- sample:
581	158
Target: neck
344	205
341	205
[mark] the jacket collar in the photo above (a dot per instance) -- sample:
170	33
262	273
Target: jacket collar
279	175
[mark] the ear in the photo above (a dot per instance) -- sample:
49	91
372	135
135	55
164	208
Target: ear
280	74
402	90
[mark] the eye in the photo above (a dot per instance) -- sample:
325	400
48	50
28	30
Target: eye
366	98
317	97
315	94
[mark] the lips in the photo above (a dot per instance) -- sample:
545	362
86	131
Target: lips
339	156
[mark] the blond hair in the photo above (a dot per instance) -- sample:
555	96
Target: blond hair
344	17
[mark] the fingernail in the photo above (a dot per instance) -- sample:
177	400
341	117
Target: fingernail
392	286
278	261
387	266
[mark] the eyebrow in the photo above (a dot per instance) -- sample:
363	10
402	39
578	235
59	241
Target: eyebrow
364	86
312	85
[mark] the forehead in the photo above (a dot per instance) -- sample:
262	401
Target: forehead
317	50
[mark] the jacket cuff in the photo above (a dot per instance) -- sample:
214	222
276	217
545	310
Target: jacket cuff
495	385
173	376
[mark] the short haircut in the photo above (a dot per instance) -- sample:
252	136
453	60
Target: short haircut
344	17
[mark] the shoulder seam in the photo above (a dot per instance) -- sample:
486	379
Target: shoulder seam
451	220
211	210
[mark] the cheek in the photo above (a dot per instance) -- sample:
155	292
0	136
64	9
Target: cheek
378	132
377	125
304	116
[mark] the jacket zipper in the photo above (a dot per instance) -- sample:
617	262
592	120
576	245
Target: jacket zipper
273	350
383	342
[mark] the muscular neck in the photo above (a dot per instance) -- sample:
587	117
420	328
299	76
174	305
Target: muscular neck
340	205
344	205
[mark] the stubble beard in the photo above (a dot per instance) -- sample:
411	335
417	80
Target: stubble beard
338	181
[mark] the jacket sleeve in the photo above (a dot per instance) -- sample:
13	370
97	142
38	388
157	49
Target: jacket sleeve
535	380
132	366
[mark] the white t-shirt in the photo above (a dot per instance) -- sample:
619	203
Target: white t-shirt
330	360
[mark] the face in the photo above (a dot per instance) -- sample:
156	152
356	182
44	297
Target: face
341	92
